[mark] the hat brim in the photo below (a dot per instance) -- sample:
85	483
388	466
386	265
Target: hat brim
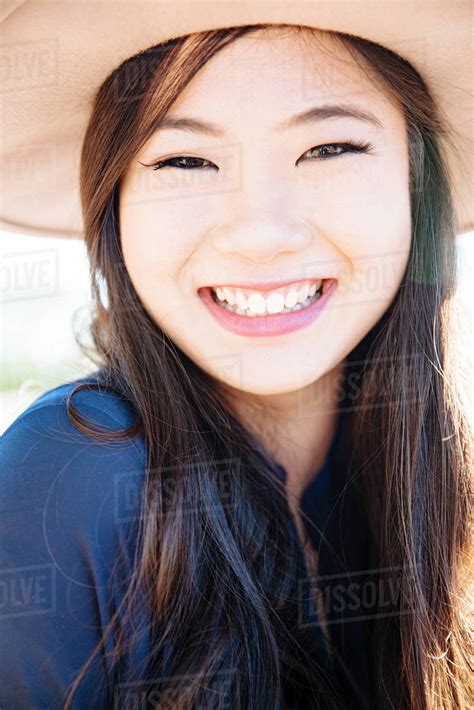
55	56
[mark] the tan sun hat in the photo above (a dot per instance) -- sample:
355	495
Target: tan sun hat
54	55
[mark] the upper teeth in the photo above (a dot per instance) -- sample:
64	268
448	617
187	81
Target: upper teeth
271	301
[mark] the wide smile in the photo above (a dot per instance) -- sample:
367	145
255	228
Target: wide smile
266	312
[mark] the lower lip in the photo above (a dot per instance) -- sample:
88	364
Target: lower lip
276	324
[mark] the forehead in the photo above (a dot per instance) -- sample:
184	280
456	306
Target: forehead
270	71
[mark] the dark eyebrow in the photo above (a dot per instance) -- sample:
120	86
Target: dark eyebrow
317	113
322	113
190	124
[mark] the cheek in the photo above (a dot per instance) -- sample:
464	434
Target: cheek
163	211
379	265
368	210
157	238
369	221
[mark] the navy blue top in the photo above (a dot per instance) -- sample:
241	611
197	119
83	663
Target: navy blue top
65	525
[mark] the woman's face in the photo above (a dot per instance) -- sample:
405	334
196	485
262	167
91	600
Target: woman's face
257	206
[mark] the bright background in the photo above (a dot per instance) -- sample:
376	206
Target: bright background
44	293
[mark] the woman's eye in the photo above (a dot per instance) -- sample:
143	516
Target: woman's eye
328	150
323	152
183	162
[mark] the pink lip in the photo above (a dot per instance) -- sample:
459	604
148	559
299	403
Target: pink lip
265	285
277	324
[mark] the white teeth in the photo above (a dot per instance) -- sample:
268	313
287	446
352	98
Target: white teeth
256	304
281	301
275	303
229	296
303	293
291	298
241	301
251	314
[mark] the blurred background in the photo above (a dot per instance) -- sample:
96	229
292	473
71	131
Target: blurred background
44	291
45	299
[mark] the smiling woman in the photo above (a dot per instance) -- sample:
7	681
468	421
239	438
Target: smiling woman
292	419
295	207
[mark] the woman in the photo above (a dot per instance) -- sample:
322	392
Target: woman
243	506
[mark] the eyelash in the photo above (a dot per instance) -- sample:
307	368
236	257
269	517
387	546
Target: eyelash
348	146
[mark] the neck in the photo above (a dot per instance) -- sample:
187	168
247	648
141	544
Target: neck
296	428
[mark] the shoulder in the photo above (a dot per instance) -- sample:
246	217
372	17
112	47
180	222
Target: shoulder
96	395
45	425
65	483
69	516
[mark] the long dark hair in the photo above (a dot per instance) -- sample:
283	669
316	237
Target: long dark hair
220	580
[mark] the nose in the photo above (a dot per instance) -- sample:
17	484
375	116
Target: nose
262	237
